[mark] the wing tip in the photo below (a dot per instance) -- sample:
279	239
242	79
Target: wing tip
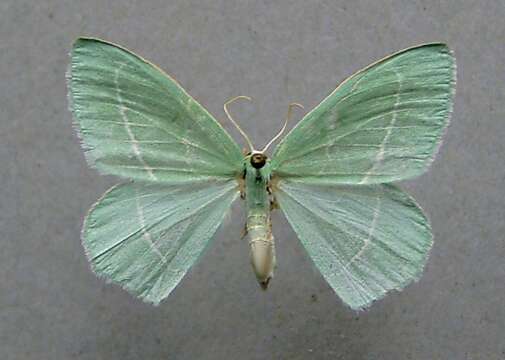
448	111
83	40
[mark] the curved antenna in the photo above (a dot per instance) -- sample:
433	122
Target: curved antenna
225	107
288	116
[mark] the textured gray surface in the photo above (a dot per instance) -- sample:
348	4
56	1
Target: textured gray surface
53	307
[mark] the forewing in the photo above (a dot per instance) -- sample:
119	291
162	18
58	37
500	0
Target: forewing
365	240
137	122
146	237
382	124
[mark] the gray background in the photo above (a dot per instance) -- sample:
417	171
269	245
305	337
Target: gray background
53	307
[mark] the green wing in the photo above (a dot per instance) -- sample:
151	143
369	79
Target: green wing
145	237
382	124
365	240
137	122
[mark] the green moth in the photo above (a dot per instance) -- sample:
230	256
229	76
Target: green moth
330	175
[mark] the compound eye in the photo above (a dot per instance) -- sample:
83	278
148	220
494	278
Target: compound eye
258	160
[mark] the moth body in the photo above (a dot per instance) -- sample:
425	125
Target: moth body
259	226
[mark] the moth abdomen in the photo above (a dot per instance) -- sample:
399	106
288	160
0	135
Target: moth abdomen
261	242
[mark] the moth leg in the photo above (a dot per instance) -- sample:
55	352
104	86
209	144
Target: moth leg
241	185
243	233
274	205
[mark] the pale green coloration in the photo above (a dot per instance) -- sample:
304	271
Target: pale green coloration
138	123
365	240
259	223
146	236
380	125
383	124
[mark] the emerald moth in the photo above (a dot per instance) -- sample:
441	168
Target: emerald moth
330	175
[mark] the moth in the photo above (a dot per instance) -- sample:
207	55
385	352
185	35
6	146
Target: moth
331	175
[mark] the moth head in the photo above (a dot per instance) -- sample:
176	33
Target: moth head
258	160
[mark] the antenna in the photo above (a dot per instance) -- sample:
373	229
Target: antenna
225	107
288	116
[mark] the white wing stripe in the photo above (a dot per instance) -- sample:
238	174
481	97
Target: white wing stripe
145	233
122	112
362	259
380	154
368	240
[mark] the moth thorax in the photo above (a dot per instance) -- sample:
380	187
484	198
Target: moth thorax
258	160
